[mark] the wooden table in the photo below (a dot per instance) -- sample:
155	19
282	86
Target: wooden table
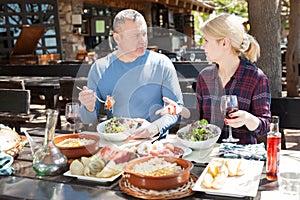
47	86
26	184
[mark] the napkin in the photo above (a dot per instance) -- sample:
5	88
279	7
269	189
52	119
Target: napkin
249	152
5	164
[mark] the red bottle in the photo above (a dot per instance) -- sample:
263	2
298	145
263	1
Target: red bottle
273	149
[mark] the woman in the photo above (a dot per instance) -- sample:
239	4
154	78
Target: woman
234	51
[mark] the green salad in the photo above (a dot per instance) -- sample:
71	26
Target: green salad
118	125
199	131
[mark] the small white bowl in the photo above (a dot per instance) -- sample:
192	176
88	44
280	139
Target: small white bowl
116	137
199	145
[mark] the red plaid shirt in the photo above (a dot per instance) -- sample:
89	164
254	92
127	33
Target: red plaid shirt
251	86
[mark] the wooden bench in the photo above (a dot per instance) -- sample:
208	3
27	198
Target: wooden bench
190	69
12	84
56	70
15	107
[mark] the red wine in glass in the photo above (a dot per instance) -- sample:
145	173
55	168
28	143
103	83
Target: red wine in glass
72	114
230	110
72	120
228	105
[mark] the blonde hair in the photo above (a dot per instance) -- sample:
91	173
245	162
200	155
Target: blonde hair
231	27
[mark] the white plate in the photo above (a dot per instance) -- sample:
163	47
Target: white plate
186	151
95	179
172	139
239	186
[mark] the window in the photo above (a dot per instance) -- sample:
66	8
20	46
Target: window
14	14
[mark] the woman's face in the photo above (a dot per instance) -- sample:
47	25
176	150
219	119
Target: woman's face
132	39
213	48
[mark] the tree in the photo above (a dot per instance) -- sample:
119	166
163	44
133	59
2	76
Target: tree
292	53
265	22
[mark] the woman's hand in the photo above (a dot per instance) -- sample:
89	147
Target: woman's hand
87	98
173	108
240	118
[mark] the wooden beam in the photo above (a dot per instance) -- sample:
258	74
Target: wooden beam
180	5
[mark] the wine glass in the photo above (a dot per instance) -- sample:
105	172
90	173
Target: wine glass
72	114
192	56
178	56
229	104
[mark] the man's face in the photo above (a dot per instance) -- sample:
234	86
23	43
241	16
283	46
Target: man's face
132	39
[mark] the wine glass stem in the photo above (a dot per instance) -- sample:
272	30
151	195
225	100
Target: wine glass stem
74	128
230	132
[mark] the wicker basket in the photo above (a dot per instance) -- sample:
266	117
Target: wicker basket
16	149
177	193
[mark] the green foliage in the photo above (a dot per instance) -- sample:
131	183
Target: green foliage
238	7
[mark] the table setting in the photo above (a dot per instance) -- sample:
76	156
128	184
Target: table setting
105	167
196	152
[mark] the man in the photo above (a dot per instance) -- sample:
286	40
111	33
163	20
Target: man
136	78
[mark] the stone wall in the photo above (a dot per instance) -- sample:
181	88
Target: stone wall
71	40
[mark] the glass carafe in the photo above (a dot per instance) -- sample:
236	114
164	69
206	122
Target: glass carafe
49	160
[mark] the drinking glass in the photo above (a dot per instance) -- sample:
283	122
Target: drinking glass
178	55
72	114
289	184
229	104
192	56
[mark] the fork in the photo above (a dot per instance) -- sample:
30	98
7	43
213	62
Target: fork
95	95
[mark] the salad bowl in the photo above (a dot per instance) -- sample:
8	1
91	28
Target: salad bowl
116	129
198	135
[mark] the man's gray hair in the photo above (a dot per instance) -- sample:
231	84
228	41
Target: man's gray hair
128	14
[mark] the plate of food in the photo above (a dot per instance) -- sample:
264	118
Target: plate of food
230	177
159	148
95	179
117	129
104	166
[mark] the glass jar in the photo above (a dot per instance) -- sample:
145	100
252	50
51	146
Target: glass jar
48	160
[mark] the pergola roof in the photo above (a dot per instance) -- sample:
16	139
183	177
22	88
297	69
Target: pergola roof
180	6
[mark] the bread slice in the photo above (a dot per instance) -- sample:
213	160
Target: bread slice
207	180
242	168
216	174
9	139
219	181
235	167
214	167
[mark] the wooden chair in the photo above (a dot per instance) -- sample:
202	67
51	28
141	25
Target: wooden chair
288	111
15	107
68	91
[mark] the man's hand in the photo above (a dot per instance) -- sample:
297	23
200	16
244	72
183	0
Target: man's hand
146	131
87	98
173	109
